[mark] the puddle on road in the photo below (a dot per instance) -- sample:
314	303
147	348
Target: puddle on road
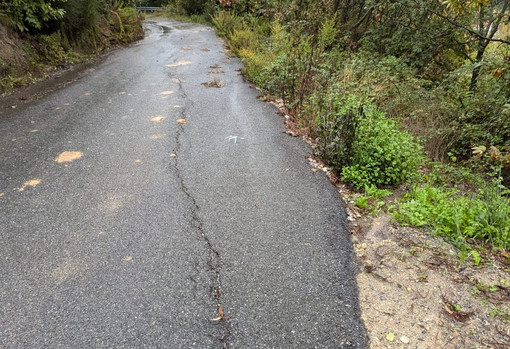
68	156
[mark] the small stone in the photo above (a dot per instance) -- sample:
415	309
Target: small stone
404	339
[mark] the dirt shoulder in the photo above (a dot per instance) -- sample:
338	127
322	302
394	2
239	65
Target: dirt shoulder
415	293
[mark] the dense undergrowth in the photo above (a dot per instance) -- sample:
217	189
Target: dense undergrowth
43	35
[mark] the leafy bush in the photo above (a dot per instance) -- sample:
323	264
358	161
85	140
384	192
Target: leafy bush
31	14
365	146
485	217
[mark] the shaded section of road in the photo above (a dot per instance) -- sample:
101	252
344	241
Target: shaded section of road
187	203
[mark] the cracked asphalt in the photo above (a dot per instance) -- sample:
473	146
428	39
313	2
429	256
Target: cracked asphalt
184	216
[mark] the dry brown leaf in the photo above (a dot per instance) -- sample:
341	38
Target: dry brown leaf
176	64
2	194
173	155
220	311
68	156
181	121
157	136
157	118
31	183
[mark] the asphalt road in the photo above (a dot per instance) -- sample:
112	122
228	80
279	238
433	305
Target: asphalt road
142	208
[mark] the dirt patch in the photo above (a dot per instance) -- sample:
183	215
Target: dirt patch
413	289
11	50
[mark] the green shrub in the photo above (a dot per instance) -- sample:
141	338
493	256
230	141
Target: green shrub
365	146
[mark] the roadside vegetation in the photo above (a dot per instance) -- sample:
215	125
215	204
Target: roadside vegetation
395	94
40	36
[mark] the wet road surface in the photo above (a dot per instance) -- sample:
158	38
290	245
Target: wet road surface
156	203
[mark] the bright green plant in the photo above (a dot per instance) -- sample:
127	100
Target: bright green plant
458	217
32	14
365	146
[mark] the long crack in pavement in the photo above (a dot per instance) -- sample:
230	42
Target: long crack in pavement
214	262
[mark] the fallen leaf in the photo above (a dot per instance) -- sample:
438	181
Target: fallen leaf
158	136
68	156
32	131
31	183
2	194
157	119
176	64
216	318
181	121
220	311
173	155
138	160
128	258
166	92
390	336
88	94
122	93
314	170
